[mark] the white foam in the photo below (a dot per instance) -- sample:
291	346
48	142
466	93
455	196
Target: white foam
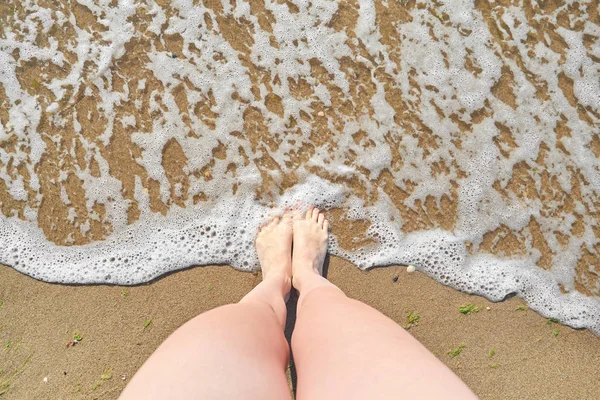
222	229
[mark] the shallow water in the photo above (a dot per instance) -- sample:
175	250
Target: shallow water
462	137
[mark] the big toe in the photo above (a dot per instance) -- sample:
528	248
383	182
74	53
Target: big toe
287	219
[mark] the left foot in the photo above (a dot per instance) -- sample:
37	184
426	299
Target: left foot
274	248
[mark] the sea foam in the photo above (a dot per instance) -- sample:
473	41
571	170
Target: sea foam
142	137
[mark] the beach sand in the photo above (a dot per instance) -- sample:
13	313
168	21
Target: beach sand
120	327
38	319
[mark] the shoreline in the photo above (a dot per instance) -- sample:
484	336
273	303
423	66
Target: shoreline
121	326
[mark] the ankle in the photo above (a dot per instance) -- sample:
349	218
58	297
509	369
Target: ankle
281	278
304	275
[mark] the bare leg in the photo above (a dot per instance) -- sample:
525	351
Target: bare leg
237	351
344	349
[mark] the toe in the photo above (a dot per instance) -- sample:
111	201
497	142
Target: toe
287	218
315	214
326	226
262	226
269	225
309	212
297	215
321	219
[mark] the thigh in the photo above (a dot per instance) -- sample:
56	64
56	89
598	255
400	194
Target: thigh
235	351
344	349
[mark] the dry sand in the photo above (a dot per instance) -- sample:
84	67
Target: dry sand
38	319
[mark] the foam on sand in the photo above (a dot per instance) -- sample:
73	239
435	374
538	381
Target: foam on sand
140	137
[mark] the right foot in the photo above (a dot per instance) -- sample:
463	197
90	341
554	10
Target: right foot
274	248
310	244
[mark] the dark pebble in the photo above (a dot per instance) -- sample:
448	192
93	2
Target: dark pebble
395	278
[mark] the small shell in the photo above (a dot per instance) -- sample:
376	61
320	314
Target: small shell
321	114
411	268
45	379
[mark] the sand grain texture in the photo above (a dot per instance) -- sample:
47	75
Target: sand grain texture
532	362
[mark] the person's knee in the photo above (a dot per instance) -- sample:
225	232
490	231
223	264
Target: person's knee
324	296
261	326
320	314
328	310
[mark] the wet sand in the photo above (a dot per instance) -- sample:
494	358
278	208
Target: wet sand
533	359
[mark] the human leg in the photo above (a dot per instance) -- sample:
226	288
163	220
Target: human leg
237	351
344	349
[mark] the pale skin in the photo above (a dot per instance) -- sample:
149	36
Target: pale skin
343	349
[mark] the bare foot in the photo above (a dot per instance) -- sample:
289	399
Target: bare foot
274	248
310	244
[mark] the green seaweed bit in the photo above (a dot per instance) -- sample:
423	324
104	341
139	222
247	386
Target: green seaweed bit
467	309
494	366
210	286
413	318
124	292
550	321
106	375
521	308
456	352
1	303
147	323
77	336
555	332
492	352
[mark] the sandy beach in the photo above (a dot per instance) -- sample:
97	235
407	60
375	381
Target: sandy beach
534	358
115	116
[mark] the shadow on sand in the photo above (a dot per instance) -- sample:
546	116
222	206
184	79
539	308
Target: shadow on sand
290	323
